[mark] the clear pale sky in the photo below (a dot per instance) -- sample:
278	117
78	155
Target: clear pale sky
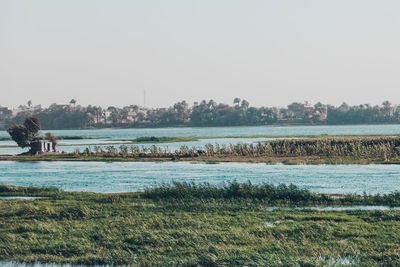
269	52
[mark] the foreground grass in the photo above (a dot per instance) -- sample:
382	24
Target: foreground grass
191	225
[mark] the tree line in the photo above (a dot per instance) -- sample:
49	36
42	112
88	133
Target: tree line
204	113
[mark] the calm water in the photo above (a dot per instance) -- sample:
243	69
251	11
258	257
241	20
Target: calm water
231	131
135	176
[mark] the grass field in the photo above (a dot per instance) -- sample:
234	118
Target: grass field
190	225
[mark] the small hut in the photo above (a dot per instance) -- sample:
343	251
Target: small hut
42	146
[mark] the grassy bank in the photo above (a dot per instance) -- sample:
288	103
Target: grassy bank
206	159
322	150
156	139
189	225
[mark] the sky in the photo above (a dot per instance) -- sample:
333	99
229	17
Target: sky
270	53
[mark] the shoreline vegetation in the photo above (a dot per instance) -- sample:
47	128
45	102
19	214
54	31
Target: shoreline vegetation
201	114
184	224
315	150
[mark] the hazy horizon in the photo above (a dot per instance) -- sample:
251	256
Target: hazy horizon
271	53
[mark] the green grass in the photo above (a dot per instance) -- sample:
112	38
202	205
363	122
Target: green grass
78	137
163	139
203	225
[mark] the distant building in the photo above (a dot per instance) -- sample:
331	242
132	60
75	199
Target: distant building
42	146
133	113
5	115
5	112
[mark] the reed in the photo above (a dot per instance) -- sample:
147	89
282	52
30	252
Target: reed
275	194
360	147
382	148
321	150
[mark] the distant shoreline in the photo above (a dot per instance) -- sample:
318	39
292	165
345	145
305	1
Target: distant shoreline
218	126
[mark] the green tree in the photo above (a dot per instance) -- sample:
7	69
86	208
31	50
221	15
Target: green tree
25	134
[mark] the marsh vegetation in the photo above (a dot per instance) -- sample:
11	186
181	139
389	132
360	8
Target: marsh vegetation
189	225
329	149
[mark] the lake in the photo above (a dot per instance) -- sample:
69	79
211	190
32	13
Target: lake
136	176
230	131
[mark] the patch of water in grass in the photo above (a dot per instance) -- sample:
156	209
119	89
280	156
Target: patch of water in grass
341	261
17	197
342	208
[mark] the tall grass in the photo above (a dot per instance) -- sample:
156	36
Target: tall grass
204	192
279	194
366	147
381	148
230	190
